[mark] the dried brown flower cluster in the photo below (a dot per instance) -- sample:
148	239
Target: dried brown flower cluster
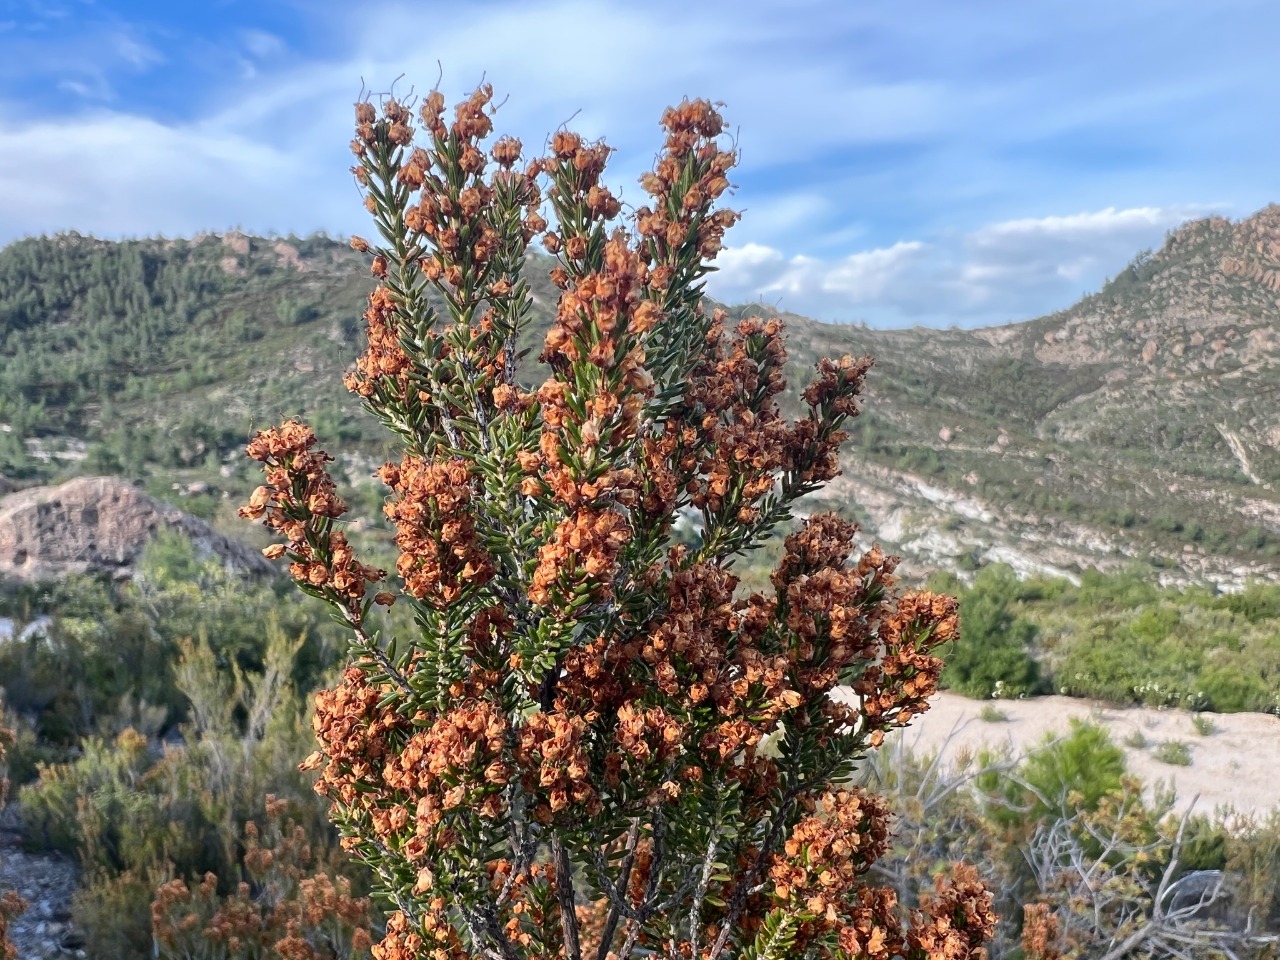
567	756
286	908
299	502
11	905
439	556
1040	931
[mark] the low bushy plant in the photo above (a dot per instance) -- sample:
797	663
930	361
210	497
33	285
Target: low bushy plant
1203	724
992	714
1136	740
106	656
992	656
1064	774
287	904
1174	752
11	905
135	813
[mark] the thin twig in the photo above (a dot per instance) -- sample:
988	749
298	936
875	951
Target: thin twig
370	646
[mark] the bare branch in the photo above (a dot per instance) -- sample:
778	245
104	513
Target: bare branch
618	891
564	893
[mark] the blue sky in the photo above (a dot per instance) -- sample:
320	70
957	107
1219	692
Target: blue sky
915	161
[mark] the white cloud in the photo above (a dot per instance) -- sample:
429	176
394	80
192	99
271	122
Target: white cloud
865	277
144	177
262	44
94	88
745	267
1012	261
295	117
1003	271
755	271
1088	224
134	52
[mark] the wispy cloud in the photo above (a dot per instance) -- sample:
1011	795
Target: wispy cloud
1002	271
140	177
262	44
134	52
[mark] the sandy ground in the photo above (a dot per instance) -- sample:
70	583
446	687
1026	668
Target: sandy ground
1236	765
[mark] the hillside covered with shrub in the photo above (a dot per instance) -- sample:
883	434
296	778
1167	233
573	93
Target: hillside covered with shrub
1118	638
1132	427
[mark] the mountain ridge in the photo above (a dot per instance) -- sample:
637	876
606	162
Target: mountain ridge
1135	426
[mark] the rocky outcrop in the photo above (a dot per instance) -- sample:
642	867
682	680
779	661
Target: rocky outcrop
97	524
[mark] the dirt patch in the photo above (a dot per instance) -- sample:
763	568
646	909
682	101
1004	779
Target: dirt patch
1232	766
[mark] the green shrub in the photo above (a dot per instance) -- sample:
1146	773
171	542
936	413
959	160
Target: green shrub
1120	638
1136	740
113	909
135	816
1066	773
1205	844
991	656
1203	724
110	649
1084	762
1173	752
1253	856
1231	689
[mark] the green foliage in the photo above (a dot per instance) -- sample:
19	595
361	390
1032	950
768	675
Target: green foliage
776	937
1253	855
1120	638
134	813
75	670
1203	724
1065	774
991	658
143	348
1233	687
1206	844
152	717
85	322
1085	763
1136	740
114	908
1174	752
108	650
